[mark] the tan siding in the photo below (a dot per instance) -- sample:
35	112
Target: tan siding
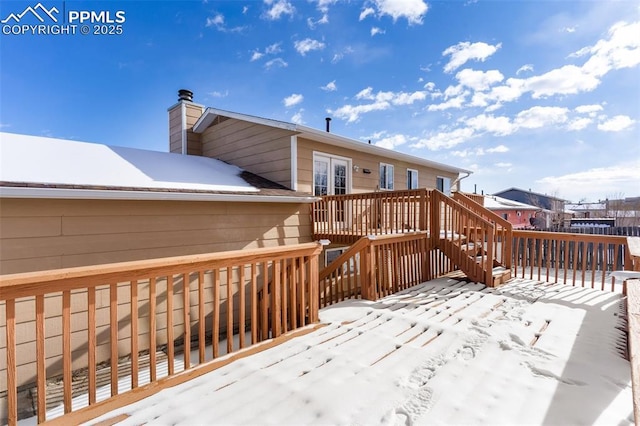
362	182
41	234
256	148
193	113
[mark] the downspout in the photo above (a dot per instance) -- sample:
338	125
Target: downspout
457	181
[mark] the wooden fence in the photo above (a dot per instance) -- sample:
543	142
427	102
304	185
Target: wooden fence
346	218
574	259
107	313
376	266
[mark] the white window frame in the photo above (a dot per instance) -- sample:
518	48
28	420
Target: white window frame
388	167
330	185
446	184
409	179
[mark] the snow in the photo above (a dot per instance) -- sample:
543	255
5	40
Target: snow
444	352
41	160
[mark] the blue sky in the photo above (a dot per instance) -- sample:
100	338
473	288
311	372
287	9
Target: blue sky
533	94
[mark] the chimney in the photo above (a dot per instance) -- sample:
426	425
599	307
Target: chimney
182	116
328	119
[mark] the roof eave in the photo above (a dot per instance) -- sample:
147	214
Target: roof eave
100	194
210	115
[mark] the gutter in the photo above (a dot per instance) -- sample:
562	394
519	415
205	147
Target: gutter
97	194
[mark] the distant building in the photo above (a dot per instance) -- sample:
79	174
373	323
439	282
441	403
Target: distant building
552	208
520	215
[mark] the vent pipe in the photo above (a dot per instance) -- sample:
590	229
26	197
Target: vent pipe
328	119
185	95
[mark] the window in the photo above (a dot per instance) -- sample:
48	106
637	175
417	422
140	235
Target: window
331	175
443	184
505	216
412	179
332	254
386	176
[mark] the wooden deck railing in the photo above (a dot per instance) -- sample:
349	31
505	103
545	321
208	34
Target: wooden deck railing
465	237
574	259
59	322
504	229
376	266
346	218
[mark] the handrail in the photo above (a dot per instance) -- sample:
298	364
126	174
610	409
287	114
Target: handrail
575	259
504	229
375	266
129	307
345	218
480	209
461	226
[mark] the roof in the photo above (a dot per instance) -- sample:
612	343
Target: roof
443	352
329	138
34	166
585	207
493	202
523	191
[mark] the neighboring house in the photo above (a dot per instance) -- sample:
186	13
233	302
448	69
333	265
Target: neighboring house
553	210
520	215
299	157
68	203
587	210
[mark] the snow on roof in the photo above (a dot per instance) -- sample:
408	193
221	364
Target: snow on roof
493	202
444	352
586	207
42	160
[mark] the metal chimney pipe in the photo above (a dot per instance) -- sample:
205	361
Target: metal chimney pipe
185	95
328	124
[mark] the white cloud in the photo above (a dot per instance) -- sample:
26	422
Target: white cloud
621	50
446	139
498	149
292	100
479	80
456	102
352	113
569	29
596	182
278	8
499	126
392	142
503	165
579	123
463	52
297	117
412	10
468	153
376	30
256	56
330	87
525	68
273	49
567	80
215	21
366	12
307	45
588	109
276	62
219	94
537	116
616	124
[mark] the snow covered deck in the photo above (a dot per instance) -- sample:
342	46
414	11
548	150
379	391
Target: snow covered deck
443	352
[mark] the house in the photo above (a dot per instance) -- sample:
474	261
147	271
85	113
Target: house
520	215
298	157
301	158
553	210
